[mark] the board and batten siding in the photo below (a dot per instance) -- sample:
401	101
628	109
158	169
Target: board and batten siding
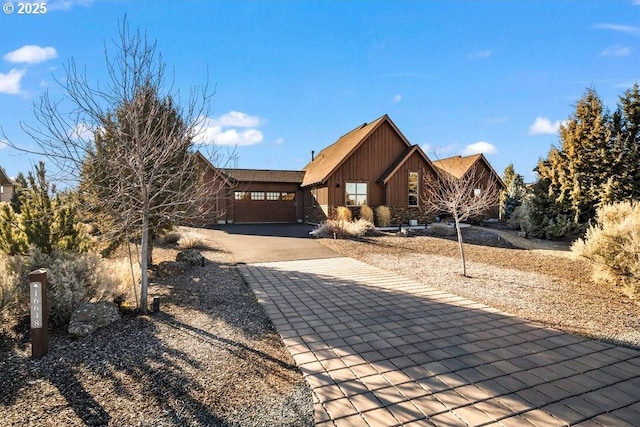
398	185
366	164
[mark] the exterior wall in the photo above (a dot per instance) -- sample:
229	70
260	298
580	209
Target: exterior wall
7	192
366	164
400	215
398	186
249	211
482	168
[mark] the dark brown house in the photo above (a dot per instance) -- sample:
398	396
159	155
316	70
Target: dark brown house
6	186
373	164
478	165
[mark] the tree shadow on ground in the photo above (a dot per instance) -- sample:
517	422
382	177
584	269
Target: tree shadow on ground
427	355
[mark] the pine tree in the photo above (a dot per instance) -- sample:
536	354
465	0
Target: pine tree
513	194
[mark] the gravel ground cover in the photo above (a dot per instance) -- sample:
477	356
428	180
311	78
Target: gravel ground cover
541	283
209	358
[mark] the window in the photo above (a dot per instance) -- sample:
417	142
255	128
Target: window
477	192
241	195
413	188
257	195
273	195
314	196
288	196
356	193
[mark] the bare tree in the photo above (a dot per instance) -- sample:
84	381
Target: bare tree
131	142
468	196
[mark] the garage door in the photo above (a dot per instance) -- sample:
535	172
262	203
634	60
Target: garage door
264	206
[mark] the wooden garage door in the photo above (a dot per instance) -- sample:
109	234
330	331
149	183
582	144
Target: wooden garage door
264	206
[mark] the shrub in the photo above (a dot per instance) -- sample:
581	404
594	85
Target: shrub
519	219
339	229
613	246
190	240
73	279
384	216
366	213
441	229
170	237
343	213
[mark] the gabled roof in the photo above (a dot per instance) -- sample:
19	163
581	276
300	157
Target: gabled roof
459	166
264	175
397	164
329	159
4	179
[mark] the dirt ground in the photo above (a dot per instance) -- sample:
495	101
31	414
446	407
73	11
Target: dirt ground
538	280
209	358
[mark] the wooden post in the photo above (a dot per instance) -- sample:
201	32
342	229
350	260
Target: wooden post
39	313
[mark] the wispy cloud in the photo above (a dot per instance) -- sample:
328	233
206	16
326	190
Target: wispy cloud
31	54
439	152
3	144
483	147
544	126
480	54
627	29
232	129
279	141
10	82
616	51
397	98
67	4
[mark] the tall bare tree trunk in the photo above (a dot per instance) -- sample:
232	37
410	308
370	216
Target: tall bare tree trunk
144	287
461	246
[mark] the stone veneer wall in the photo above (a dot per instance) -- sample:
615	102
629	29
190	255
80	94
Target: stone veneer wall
315	214
400	215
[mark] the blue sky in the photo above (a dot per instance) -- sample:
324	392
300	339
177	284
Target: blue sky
293	76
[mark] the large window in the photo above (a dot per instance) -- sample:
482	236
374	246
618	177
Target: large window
273	195
257	195
413	188
241	195
355	193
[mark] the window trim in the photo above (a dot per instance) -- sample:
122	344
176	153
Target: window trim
356	194
417	192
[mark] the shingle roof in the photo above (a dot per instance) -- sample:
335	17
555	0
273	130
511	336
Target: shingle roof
458	166
4	178
327	160
263	175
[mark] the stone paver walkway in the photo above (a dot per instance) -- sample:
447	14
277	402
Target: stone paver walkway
382	350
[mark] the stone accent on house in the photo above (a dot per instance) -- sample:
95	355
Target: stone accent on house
400	215
316	214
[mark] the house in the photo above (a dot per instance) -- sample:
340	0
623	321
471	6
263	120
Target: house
478	165
7	186
373	164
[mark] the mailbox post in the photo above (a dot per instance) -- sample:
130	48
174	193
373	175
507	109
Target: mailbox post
39	303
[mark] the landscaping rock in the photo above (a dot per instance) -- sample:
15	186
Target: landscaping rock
90	316
172	268
192	257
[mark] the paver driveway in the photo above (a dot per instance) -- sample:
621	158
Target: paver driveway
382	350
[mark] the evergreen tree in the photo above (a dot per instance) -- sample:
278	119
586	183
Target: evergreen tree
513	194
585	148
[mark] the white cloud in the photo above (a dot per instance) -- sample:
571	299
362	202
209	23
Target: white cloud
616	51
236	119
479	147
67	4
480	54
223	130
81	132
3	144
279	141
10	82
397	98
31	54
543	125
628	29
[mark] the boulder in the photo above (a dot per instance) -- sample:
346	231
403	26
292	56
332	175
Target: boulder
171	268
90	316
192	257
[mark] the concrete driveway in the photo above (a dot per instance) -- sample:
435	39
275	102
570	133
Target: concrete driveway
253	243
